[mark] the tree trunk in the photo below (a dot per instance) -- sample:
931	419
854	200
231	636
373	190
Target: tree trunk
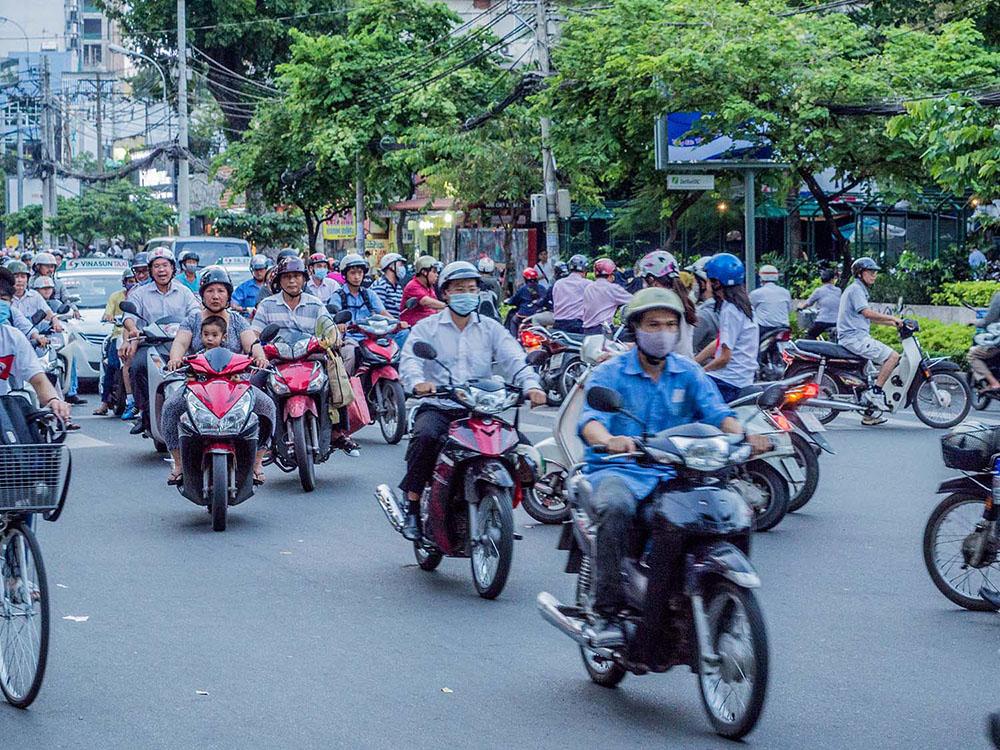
841	245
359	206
673	221
312	227
399	232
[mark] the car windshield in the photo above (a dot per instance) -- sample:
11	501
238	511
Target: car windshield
212	253
92	288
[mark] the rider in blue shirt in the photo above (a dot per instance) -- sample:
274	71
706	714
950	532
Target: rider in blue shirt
354	297
245	295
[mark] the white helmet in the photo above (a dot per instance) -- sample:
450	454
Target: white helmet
388	259
455	271
698	267
486	265
768	273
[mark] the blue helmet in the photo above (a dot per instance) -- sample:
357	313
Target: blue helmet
726	268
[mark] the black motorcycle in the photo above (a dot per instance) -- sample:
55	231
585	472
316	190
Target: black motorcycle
715	627
770	365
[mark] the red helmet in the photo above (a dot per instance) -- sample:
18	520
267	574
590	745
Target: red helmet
318	258
604	267
530	274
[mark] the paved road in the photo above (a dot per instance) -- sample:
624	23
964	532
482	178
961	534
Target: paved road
308	625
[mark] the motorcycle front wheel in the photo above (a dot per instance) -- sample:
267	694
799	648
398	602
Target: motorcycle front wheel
767	493
545	506
491	542
390	406
806	458
733	690
303	456
942	400
955	530
219	485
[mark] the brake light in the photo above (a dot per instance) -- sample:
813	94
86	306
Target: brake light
786	357
530	340
781	421
784	336
802	393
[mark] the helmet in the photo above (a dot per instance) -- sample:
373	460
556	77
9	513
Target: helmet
127	274
317	258
460	269
659	264
863	264
486	265
141	260
16	267
652	298
43	282
698	267
43	259
424	263
162	253
530	274
188	255
826	275
578	263
604	267
259	262
768	273
726	268
215	275
561	269
287	252
353	260
58	253
389	259
286	265
27	256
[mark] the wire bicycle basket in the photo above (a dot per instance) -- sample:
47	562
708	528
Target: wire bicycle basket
34	478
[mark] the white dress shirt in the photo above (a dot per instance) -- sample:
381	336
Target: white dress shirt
177	302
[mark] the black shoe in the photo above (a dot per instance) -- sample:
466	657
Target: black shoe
137	429
347	445
72	426
411	527
990	595
75	400
605	633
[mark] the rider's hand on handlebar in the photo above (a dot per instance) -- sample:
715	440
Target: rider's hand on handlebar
898	322
57	326
261	361
620	444
424	389
173	364
536	396
60	408
42	340
759	444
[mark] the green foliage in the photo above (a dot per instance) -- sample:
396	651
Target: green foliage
27	222
116	209
916	279
799	277
976	293
937	339
262	230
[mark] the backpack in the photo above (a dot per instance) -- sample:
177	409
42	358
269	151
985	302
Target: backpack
19	421
488	304
364	297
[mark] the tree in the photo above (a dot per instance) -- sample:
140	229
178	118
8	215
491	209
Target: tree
26	222
262	230
116	210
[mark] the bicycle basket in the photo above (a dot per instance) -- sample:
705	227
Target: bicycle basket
33	477
970	446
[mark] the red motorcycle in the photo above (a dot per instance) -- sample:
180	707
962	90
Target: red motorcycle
480	477
298	385
378	355
219	433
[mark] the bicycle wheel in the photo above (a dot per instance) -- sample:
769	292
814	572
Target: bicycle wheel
24	616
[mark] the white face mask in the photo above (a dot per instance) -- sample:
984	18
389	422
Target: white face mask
657	344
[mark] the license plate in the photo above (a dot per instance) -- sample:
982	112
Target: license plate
793	469
556	361
811	422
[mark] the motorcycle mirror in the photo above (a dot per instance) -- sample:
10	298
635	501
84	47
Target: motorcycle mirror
267	335
604	399
129	307
344	316
37	317
63	309
424	350
73	299
771	397
536	358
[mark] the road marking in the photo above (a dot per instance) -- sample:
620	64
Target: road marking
535	428
77	441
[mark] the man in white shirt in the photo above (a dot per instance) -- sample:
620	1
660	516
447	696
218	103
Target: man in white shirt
468	344
771	303
320	284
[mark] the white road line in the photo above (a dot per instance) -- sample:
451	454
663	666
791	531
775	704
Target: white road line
77	441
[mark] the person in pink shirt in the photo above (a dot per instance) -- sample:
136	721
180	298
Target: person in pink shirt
567	296
602	298
421	289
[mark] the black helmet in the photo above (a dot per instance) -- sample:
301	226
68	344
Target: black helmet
287	265
561	269
287	252
140	260
578	263
826	275
188	255
127	274
863	264
215	275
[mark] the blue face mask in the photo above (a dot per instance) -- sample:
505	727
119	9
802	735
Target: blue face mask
463	304
4	311
320	273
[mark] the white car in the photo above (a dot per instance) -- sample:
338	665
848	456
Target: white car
92	281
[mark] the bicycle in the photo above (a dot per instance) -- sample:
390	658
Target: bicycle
34	480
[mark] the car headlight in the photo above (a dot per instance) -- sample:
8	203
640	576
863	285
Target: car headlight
317	380
703	454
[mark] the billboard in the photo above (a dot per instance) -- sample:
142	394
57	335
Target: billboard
679	138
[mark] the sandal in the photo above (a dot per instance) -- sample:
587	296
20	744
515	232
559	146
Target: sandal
101	411
258	477
175	479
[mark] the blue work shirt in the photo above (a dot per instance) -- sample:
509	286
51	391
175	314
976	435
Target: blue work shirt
355	303
245	295
191	284
528	301
683	394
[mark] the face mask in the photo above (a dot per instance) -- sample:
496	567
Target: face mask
463	304
129	285
190	267
4	311
320	273
658	344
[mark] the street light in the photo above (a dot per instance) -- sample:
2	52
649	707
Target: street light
163	76
27	44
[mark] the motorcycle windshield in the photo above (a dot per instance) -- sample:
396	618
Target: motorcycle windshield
163	328
291	343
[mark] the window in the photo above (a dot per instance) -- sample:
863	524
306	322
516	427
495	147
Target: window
90	6
91	54
91	28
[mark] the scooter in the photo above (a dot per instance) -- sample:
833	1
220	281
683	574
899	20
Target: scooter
936	388
378	356
479	478
714	626
558	363
219	433
990	336
157	336
770	366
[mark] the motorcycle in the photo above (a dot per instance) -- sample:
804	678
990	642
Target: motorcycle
298	385
219	433
479	478
962	537
561	366
158	336
935	387
715	627
378	356
773	341
981	398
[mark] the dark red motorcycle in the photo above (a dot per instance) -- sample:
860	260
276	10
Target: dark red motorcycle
219	433
480	476
378	355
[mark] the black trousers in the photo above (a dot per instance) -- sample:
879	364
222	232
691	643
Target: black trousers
570	325
430	428
817	328
140	381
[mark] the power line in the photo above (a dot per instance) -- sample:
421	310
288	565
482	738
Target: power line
232	73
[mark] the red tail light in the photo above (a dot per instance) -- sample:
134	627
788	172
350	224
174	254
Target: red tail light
784	336
801	393
530	340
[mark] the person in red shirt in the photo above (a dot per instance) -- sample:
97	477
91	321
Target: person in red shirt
421	288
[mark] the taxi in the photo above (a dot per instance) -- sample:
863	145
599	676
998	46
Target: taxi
89	282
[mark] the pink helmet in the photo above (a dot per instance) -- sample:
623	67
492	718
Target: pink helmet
659	264
604	267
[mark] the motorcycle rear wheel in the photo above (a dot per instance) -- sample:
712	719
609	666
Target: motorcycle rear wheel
571	372
219	501
24	616
961	512
809	461
391	410
603	672
544	507
303	456
491	545
738	635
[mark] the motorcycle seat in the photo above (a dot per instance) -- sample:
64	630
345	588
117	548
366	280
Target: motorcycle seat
826	349
574	339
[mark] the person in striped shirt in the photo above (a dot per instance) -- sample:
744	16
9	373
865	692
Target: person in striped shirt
389	286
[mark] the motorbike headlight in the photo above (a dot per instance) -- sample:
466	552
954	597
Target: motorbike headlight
491	402
205	422
236	417
703	454
277	385
317	380
202	418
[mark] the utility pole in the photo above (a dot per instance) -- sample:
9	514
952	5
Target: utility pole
20	157
183	186
48	157
548	164
100	119
359	207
